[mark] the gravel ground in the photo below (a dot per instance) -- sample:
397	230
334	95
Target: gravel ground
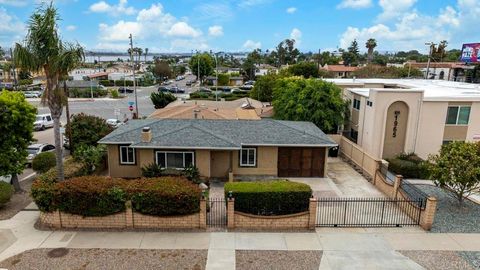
17	202
473	257
450	217
83	259
438	260
277	260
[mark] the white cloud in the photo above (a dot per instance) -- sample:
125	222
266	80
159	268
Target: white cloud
120	31
121	8
394	8
15	3
296	34
215	30
357	4
11	28
217	11
252	45
182	29
71	28
251	3
291	10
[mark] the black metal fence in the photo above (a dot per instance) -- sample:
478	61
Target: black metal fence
388	175
367	212
414	193
216	212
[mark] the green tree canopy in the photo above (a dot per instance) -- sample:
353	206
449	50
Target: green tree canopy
457	167
263	89
162	69
351	56
207	64
87	129
311	100
16	132
305	69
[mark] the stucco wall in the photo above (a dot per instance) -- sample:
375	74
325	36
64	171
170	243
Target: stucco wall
431	128
202	161
115	169
474	124
267	159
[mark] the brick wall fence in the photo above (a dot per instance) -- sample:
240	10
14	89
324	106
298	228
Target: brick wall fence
298	221
370	168
125	220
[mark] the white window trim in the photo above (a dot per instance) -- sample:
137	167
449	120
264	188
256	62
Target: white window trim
358	101
458	115
174	152
121	156
254	157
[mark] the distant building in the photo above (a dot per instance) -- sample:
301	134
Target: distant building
340	71
449	71
264	69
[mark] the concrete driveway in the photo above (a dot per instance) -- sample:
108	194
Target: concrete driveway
342	181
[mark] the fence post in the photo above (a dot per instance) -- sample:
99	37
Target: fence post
128	214
312	209
396	185
428	215
231	213
230	177
377	170
203	213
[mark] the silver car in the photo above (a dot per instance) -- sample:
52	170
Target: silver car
35	149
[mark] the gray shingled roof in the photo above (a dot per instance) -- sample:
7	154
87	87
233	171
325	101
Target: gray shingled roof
219	134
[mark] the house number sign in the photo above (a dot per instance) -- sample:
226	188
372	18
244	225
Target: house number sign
395	124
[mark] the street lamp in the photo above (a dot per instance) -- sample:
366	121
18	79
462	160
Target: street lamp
134	81
431	44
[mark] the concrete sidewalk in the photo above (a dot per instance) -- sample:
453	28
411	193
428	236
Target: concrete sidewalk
342	248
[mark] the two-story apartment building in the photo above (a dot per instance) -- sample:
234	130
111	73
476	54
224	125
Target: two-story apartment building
393	116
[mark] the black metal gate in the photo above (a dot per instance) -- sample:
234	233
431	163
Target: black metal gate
367	212
216	213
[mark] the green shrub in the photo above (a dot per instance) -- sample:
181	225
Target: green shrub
90	196
199	95
165	196
44	162
192	174
151	170
161	99
408	165
91	156
114	93
270	198
6	192
87	129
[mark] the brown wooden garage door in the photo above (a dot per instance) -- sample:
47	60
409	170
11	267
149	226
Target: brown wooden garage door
301	162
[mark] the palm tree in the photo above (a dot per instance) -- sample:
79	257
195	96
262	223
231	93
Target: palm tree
43	50
146	52
371	44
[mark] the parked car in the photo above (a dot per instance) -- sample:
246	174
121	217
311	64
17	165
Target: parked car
124	90
205	90
114	123
6	178
237	90
43	121
246	87
35	149
224	89
163	89
66	142
188	83
32	94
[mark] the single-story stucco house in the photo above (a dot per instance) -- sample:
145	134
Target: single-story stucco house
245	148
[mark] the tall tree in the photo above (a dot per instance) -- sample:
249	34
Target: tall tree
162	70
371	44
2	53
311	100
16	133
263	89
351	56
206	65
44	50
286	52
305	69
146	53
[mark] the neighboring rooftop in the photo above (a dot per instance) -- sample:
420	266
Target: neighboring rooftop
244	108
339	68
434	90
218	134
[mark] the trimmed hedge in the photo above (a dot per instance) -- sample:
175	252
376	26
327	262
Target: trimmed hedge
408	165
90	196
270	198
165	196
6	192
101	196
43	162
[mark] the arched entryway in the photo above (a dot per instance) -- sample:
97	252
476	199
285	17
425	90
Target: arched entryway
395	129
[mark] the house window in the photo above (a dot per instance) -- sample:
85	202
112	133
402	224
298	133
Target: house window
248	157
356	104
458	115
127	155
369	103
176	160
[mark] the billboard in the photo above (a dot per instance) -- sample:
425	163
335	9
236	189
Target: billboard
470	53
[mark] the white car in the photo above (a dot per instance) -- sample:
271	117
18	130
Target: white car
32	94
43	121
6	178
114	123
35	149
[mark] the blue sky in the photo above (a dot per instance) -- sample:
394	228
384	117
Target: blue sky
242	25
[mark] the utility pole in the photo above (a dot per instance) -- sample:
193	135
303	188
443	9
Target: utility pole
198	71
134	81
14	72
319	66
431	44
216	78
